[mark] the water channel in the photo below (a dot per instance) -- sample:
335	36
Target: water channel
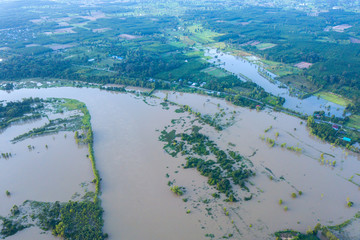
240	66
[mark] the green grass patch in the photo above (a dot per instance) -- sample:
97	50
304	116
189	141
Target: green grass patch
202	35
195	54
331	97
187	70
280	69
216	72
219	45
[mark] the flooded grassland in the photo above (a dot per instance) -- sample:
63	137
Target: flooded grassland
136	170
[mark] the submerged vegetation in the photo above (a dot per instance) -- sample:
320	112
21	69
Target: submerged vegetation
227	168
177	190
26	109
71	220
271	142
326	231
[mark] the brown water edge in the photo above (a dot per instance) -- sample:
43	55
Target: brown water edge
139	205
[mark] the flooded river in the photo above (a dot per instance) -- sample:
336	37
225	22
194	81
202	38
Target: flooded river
133	166
240	66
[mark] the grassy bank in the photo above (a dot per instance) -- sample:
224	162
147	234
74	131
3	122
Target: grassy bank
72	104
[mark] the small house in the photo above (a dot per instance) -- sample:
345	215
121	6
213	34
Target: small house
346	139
335	127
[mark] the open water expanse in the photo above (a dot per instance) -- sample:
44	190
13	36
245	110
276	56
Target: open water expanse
133	165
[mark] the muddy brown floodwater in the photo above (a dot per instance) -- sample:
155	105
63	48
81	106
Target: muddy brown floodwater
137	201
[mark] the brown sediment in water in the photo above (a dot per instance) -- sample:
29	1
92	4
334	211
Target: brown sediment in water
138	203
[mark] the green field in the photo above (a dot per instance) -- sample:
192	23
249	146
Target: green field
331	97
216	72
202	35
280	69
354	122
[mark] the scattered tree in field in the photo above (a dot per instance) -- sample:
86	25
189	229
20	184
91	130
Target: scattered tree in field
293	195
348	202
268	129
76	136
280	201
270	141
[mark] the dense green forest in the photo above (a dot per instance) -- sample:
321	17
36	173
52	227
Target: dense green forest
293	37
132	43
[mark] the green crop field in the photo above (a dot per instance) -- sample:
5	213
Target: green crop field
334	98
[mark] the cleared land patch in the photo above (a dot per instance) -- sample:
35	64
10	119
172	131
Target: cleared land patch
303	65
264	46
199	34
128	36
